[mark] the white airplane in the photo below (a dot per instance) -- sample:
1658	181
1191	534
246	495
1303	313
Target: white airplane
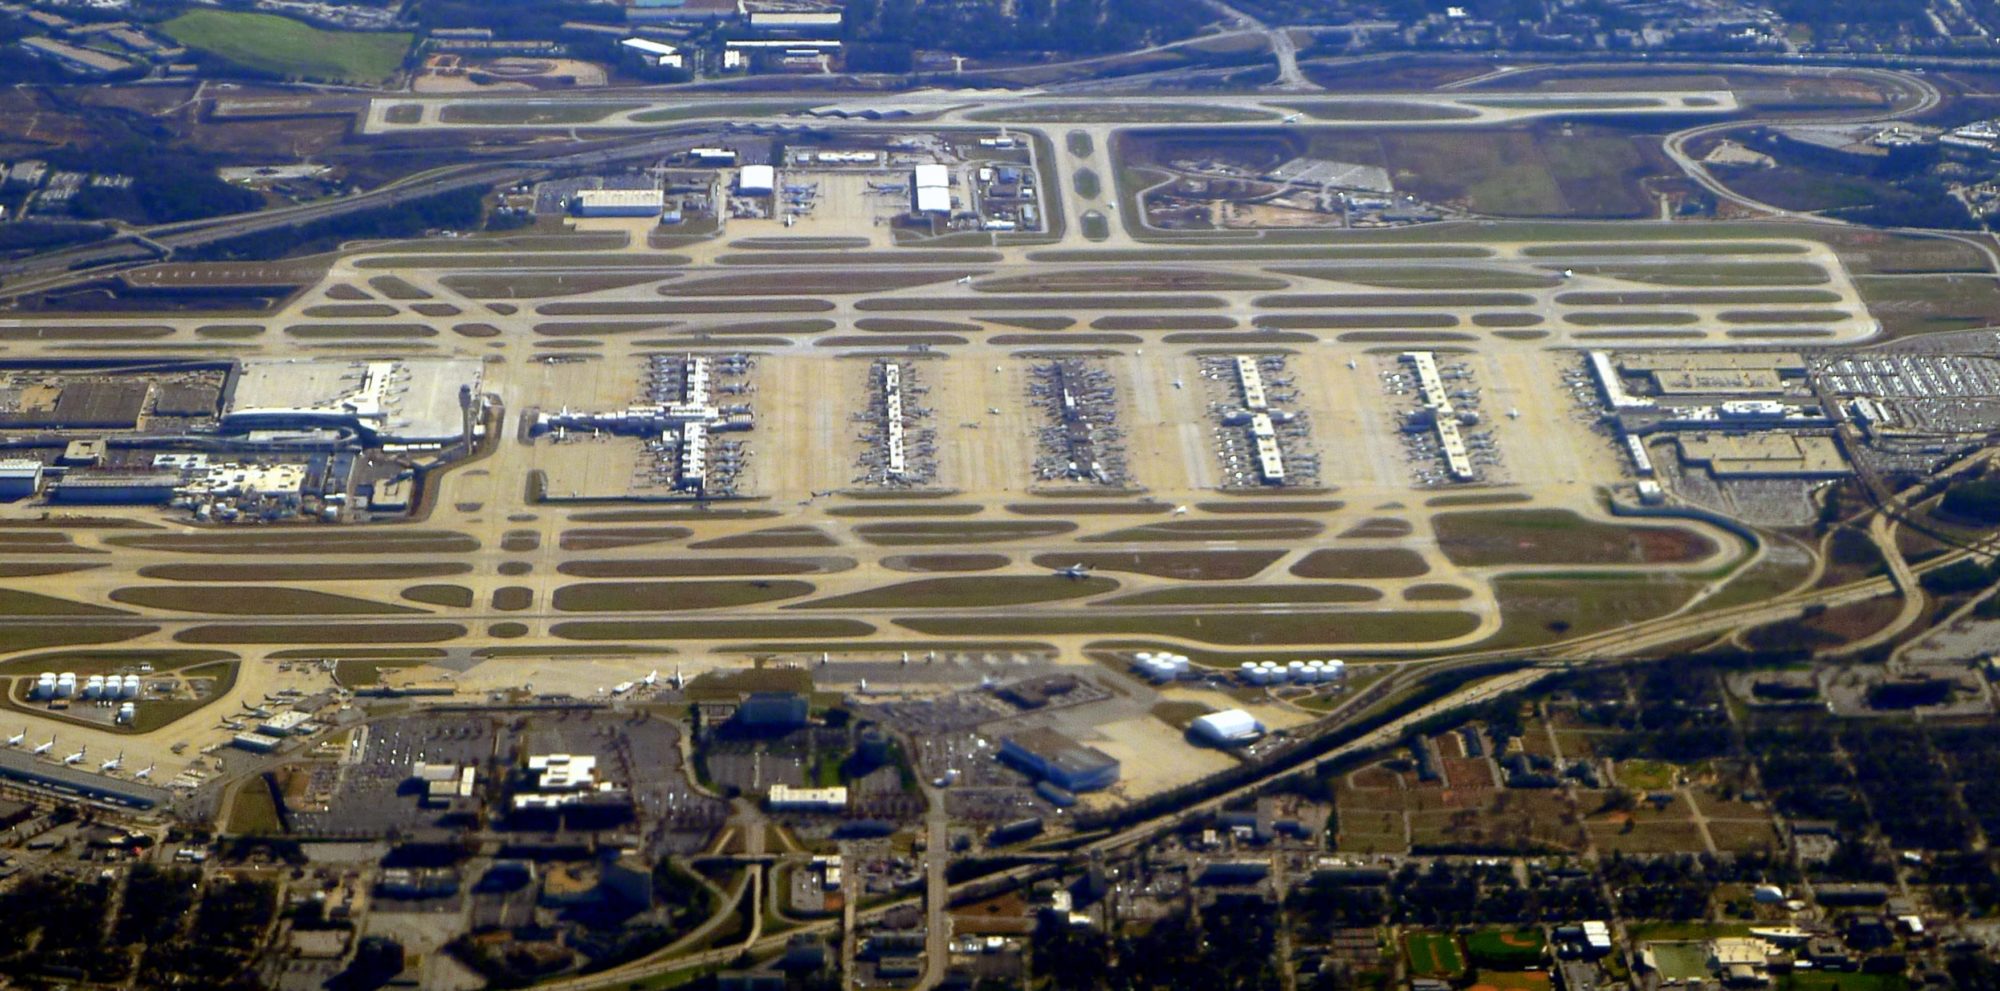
1569	273
113	764
965	280
1351	364
1294	118
1180	510
77	758
1513	414
906	658
680	683
1075	572
18	738
1179	384
143	773
45	748
651	679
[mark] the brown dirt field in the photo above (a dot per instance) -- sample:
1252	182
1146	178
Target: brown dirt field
337	311
699	567
1093	508
251	600
672	596
395	288
671	514
907	509
345	331
1245	629
1032	303
80	332
1377	528
579	328
810	282
514	569
711	629
1189	565
1271	506
228	331
520	541
1197	321
1524	536
507	631
1129	280
28	636
304	540
342	290
1071	338
1268	528
1236	339
1357	321
1436	593
303	571
604	538
15	602
567	284
967	593
1216	595
22	569
513	598
1386	562
626	308
966	532
1032	323
341	633
890	341
451	596
946	562
1506	319
475	330
773	538
911	325
435	309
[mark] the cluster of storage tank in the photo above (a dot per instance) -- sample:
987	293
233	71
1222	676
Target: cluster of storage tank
1292	673
50	685
1161	666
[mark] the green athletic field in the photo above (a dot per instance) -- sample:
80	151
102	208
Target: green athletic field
281	45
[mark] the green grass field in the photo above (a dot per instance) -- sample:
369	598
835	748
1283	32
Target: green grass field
277	44
1504	948
1434	954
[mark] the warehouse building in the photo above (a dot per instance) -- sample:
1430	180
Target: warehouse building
618	203
931	189
406	401
1052	756
116	489
654	54
756	180
20	478
23	768
1227	728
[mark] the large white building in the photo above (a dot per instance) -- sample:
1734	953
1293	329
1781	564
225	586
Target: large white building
654	53
1227	728
931	189
407	400
618	203
757	180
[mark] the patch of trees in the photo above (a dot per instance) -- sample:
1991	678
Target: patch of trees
167	186
1907	788
989	28
460	209
29	236
531	19
1977	500
1919	201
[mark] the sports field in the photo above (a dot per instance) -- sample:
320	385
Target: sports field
1434	954
1505	948
281	45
